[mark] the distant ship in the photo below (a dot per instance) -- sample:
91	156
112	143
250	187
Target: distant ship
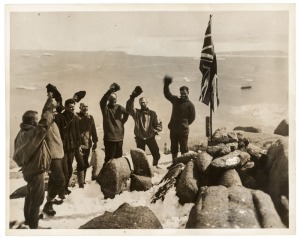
246	84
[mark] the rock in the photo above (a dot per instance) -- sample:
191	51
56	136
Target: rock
262	140
114	176
141	163
248	129
202	161
230	178
97	161
125	217
218	150
186	157
247	175
282	128
232	160
278	173
255	151
140	183
233	207
187	184
269	218
223	136
284	210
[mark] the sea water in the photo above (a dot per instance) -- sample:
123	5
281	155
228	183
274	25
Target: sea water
262	106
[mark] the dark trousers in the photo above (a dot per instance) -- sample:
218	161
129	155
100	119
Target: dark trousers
56	178
34	199
152	145
85	156
70	158
113	150
180	139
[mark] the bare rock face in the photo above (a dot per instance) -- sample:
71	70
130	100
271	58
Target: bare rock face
282	128
202	161
224	136
278	172
233	207
248	129
114	176
187	185
97	161
232	160
141	164
230	178
186	157
125	217
140	183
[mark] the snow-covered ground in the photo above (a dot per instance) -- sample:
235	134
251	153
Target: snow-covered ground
85	204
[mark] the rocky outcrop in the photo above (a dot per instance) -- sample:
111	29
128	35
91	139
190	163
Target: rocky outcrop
140	183
141	163
278	172
223	136
187	184
282	128
233	207
125	217
113	177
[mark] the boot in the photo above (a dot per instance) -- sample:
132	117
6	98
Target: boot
48	209
80	177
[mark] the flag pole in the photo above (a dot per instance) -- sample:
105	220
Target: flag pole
210	121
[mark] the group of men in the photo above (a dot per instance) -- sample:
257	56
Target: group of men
51	143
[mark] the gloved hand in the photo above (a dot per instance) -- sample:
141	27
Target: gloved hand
79	95
137	91
168	80
114	87
55	93
94	146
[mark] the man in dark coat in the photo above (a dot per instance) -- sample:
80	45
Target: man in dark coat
68	124
114	118
88	133
183	114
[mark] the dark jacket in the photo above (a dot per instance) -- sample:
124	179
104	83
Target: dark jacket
68	125
114	118
183	112
88	132
31	151
146	124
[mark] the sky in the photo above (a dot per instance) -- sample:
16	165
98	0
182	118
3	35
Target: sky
177	31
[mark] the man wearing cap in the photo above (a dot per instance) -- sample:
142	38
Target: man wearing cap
114	118
88	134
146	124
183	114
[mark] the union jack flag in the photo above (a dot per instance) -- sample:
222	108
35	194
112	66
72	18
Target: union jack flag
208	68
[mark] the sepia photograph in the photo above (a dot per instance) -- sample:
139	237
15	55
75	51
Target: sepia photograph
177	119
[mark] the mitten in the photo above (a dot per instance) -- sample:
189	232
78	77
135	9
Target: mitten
137	91
168	80
55	92
114	87
79	95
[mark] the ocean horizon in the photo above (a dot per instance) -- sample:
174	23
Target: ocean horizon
262	106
